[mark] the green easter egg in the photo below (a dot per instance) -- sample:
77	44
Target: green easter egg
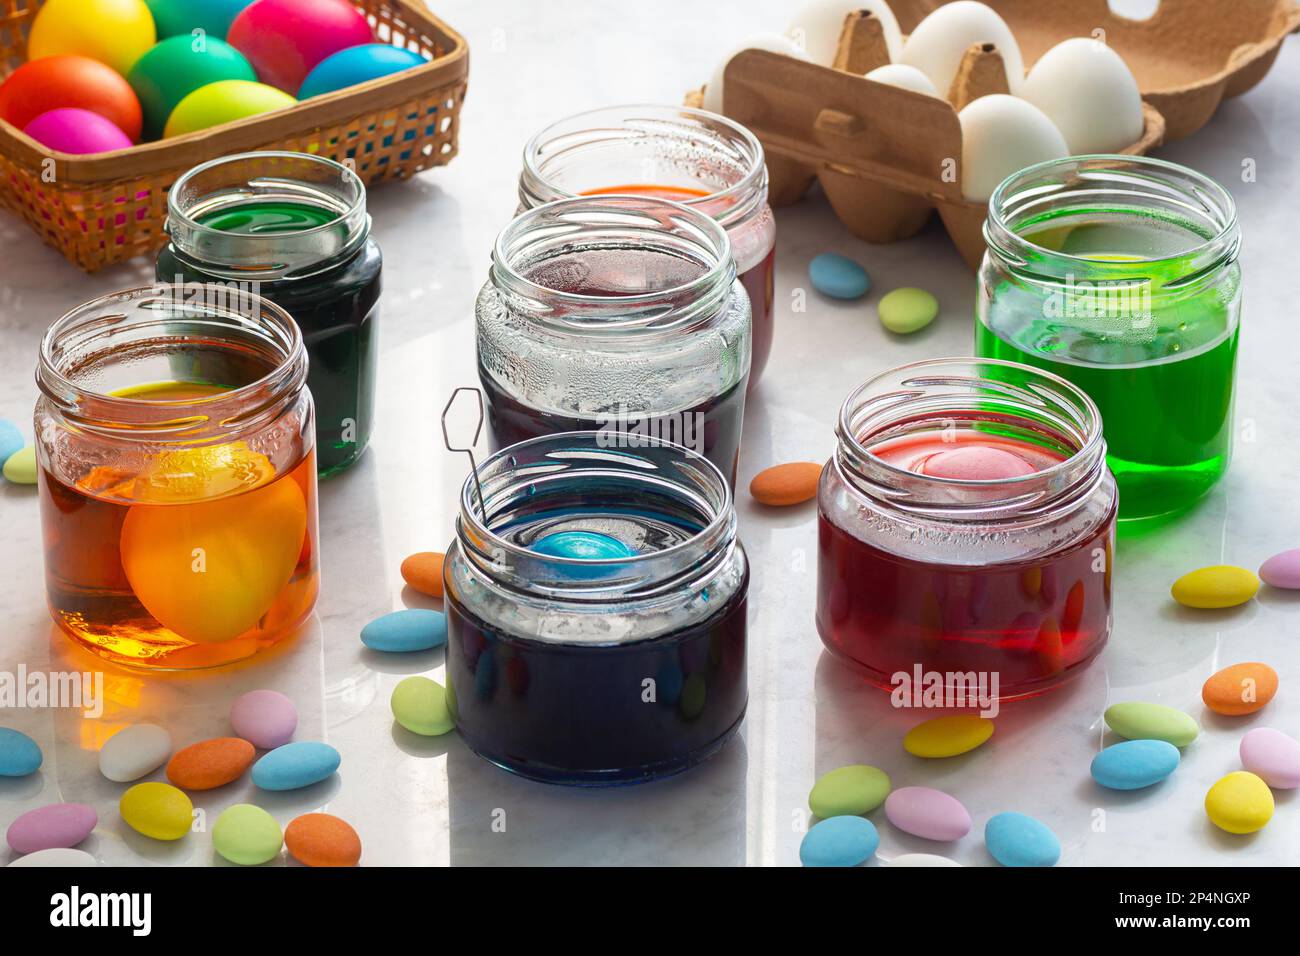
177	67
177	17
224	102
907	310
247	835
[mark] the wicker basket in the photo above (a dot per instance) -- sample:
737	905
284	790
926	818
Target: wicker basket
109	207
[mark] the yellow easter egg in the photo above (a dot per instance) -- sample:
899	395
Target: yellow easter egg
1239	803
116	32
224	101
158	810
947	736
1219	586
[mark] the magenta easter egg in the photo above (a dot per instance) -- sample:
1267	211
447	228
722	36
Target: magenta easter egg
76	131
285	39
57	825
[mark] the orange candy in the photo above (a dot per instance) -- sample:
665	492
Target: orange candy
319	839
210	763
423	572
788	484
1240	689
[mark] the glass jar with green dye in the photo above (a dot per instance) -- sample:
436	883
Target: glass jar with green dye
1120	274
293	228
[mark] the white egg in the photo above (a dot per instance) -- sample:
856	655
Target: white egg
939	42
818	25
1088	91
773	42
1001	134
905	77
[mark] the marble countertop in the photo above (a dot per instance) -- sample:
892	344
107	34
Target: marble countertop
430	801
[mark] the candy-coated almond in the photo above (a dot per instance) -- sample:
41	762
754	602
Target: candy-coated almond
1240	689
788	484
210	763
948	736
1137	720
247	835
420	705
423	572
1219	586
1282	570
851	790
320	839
1239	803
158	810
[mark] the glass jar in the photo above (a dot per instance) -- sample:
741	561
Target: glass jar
701	159
615	314
177	476
966	530
292	228
1120	274
596	611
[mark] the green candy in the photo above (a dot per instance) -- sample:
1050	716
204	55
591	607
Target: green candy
20	467
247	835
849	791
420	705
907	310
1138	721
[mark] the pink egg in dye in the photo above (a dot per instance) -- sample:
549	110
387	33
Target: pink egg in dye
976	463
1282	570
76	131
927	813
1272	756
57	825
265	718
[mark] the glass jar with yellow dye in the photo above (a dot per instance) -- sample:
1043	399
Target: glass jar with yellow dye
177	475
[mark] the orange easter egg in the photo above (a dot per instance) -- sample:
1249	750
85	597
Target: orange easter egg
423	571
210	763
320	839
789	484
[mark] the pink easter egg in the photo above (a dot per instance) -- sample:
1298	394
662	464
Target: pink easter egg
1272	756
285	39
1282	570
76	131
265	718
45	828
927	813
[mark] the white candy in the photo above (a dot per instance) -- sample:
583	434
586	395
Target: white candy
1088	91
818	24
904	77
939	42
922	859
773	42
58	856
134	751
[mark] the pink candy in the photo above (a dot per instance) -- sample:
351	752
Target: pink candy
1282	570
928	813
60	825
1272	756
265	718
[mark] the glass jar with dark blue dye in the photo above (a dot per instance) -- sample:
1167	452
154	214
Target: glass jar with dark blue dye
292	228
595	603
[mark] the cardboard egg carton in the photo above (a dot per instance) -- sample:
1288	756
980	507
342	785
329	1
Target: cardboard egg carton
886	157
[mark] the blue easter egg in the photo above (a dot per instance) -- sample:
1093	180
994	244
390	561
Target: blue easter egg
839	841
1015	839
11	439
838	277
414	629
1134	764
19	754
295	765
357	64
584	545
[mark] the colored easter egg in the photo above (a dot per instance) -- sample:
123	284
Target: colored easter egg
134	751
582	545
247	835
295	765
1272	756
928	813
210	763
250	544
838	276
1280	571
1141	721
907	310
212	17
56	857
975	463
285	39
11	439
948	736
1240	689
839	841
176	68
320	839
1239	803
922	859
357	64
790	484
1015	839
46	828
848	791
265	718
116	32
1134	764
20	467
1214	587
79	132
423	571
224	102
157	810
19	754
412	629
420	705
69	82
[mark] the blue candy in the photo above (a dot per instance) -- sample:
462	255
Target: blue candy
299	764
1134	764
19	754
1018	840
414	629
838	277
11	439
357	64
839	841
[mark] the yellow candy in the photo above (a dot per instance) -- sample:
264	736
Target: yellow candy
948	736
1239	803
1219	586
157	810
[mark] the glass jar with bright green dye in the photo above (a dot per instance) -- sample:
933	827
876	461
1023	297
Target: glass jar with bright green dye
293	228
1120	274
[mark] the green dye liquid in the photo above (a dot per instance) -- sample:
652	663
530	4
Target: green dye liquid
1157	356
336	308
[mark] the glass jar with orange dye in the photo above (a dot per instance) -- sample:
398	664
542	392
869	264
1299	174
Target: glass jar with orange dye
177	475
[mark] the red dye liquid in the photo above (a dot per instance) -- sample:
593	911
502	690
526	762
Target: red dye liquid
1032	623
758	279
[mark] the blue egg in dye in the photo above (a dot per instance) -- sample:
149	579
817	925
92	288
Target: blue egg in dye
838	276
839	841
1015	839
1134	764
19	754
585	545
357	64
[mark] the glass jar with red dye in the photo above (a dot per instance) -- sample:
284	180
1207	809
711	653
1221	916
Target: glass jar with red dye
694	157
967	530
